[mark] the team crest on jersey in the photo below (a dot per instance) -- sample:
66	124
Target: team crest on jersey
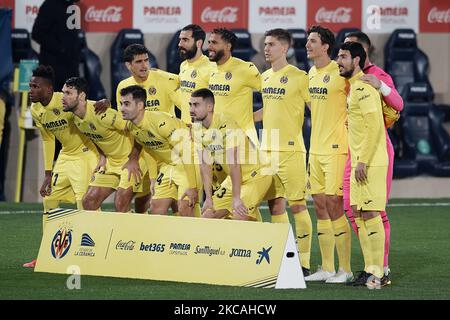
152	91
228	75
284	79
92	127
194	74
326	79
56	112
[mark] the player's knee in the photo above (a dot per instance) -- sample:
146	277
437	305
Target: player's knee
122	204
297	206
277	206
142	204
158	208
90	202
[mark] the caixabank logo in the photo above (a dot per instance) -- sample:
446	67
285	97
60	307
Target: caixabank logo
61	242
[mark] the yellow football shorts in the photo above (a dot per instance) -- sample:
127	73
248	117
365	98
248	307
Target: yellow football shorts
370	196
326	174
71	176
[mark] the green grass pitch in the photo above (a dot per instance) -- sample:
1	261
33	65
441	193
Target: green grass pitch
419	263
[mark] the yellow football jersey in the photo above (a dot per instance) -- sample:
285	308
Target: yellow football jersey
364	99
106	130
161	87
53	122
193	76
233	84
284	95
328	92
224	133
166	139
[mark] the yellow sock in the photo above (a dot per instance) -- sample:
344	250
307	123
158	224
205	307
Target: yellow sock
197	211
364	242
80	204
303	229
44	221
375	233
258	215
280	218
49	204
326	243
342	238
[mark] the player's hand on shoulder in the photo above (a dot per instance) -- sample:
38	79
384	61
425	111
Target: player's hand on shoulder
101	106
372	80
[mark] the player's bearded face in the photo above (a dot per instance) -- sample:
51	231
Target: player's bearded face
216	55
198	109
70	98
187	53
345	63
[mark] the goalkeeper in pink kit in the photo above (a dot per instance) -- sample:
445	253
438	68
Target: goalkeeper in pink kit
380	80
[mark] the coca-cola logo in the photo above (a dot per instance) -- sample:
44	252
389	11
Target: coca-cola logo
125	245
339	15
436	16
224	15
109	14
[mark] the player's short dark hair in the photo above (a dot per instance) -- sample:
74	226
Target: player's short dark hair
45	72
137	92
133	50
78	83
356	50
227	35
326	36
197	32
204	93
280	35
362	38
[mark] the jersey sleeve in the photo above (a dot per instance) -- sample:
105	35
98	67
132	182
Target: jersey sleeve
253	77
367	99
112	118
304	87
393	99
48	142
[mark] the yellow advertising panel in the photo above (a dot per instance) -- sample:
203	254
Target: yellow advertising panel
222	252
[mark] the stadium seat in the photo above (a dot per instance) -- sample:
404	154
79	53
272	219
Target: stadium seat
402	167
172	55
299	38
118	69
425	139
404	61
90	68
340	37
21	46
243	49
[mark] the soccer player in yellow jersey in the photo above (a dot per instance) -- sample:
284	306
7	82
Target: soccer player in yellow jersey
367	142
234	81
167	140
107	131
285	91
223	142
196	68
160	85
68	179
327	156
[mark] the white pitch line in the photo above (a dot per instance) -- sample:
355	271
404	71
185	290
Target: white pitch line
393	205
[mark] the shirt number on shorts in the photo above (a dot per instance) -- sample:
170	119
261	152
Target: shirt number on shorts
55	178
159	179
220	193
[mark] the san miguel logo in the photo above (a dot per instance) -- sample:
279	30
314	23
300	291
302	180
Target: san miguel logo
61	242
